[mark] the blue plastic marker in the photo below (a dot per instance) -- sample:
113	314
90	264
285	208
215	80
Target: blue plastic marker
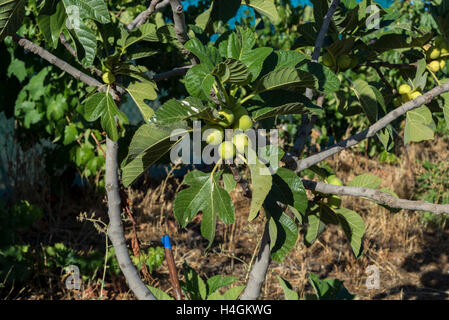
171	266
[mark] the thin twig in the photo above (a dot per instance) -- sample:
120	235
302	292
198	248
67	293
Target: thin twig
155	5
61	64
98	144
384	80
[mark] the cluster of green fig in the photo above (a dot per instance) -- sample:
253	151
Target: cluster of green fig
437	54
237	119
341	63
407	94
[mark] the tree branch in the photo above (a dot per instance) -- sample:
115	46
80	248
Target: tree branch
306	124
61	64
181	27
115	229
305	129
302	164
376	195
155	5
320	38
259	269
413	65
172	73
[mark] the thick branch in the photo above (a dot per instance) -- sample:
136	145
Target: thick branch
260	268
155	5
61	64
369	132
376	195
115	229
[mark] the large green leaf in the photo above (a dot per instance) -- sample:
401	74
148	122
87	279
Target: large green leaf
51	25
289	293
239	45
229	182
174	111
88	40
11	15
288	189
283	230
314	229
328	289
289	108
141	91
194	80
288	58
419	125
265	7
232	71
328	81
218	281
261	181
367	98
317	220
365	181
205	195
159	294
193	284
88	9
102	105
146	32
287	78
149	144
231	294
208	55
354	228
